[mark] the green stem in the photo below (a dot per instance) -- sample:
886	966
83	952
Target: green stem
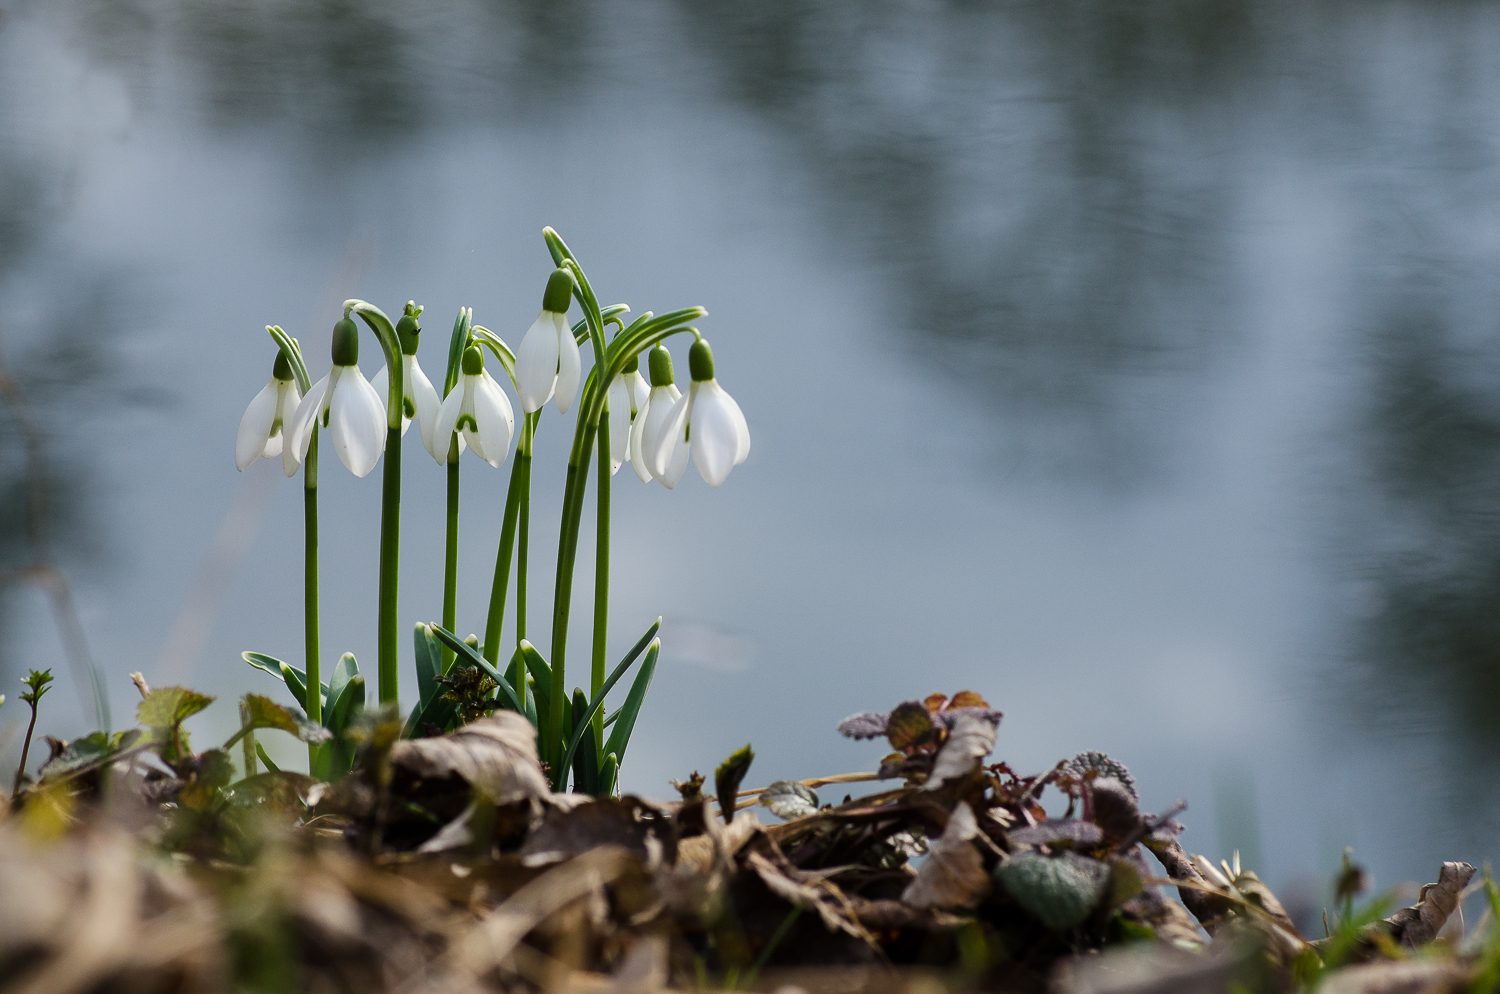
310	589
518	473
450	563
562	597
390	562
522	542
601	577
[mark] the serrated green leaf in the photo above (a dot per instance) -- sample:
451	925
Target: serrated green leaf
729	776
168	707
262	712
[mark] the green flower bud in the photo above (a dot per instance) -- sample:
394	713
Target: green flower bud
559	291
407	328
660	364
701	361
633	366
282	370
473	362
345	343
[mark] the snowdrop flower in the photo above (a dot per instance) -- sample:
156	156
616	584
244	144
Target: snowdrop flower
346	405
627	399
261	434
653	418
478	409
547	361
706	422
420	401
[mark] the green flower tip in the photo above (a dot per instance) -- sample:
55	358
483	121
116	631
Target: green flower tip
345	343
559	291
660	364
282	370
473	361
701	361
407	328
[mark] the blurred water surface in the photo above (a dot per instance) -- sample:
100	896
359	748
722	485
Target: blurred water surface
1134	364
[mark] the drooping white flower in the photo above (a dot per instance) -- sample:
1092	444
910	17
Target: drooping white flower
262	428
646	432
627	400
706	421
478	409
346	405
421	400
547	361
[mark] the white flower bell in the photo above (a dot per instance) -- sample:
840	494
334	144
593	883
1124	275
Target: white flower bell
261	429
706	421
627	401
646	433
346	405
420	400
478	409
547	361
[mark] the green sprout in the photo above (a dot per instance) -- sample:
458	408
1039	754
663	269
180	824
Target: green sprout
37	682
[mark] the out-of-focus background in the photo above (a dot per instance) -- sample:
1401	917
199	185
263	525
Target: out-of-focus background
1134	364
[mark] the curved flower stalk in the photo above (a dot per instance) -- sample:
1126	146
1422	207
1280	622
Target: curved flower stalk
346	404
547	361
707	421
627	400
261	429
653	421
477	410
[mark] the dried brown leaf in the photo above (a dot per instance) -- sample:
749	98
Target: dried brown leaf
495	755
909	727
972	738
953	874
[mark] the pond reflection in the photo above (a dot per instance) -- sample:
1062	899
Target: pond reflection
1163	249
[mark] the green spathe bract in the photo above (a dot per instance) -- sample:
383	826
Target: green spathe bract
459	678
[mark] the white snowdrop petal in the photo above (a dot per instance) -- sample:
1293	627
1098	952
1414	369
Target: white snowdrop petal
619	423
255	427
447	419
659	412
356	422
742	429
670	458
569	365
493	415
380	383
424	396
637	429
677	462
714	433
536	364
298	432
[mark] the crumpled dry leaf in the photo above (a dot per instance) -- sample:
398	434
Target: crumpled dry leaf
953	874
1058	832
1419	924
495	755
865	725
789	799
1413	976
972	738
821	898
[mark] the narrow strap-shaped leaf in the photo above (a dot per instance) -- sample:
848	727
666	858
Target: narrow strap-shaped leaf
586	762
598	701
343	670
296	682
608	774
465	651
611	719
260	751
507	359
429	664
343	708
456	346
540	672
293	353
620	737
274	666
